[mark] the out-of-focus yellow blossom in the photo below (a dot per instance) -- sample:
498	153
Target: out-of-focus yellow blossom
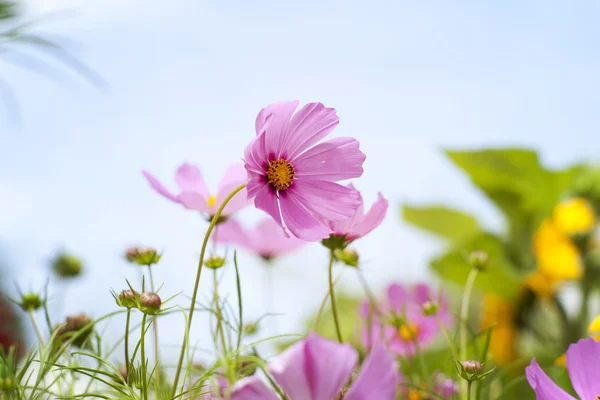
540	284
547	236
561	261
561	361
503	340
574	216
594	326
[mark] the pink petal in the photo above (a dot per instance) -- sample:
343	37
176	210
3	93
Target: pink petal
397	297
231	232
314	369
194	201
348	226
266	200
422	293
277	130
544	388
583	363
311	124
377	378
189	179
235	176
252	388
158	187
373	217
335	160
256	183
299	221
328	200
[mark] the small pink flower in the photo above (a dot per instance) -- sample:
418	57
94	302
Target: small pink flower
400	320
194	194
360	223
292	178
317	369
266	239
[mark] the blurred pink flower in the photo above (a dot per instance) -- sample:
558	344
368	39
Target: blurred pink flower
400	321
583	364
266	239
194	194
318	369
292	178
360	223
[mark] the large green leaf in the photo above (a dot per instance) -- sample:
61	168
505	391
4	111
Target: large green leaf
445	222
500	275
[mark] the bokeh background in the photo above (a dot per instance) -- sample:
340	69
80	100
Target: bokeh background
186	79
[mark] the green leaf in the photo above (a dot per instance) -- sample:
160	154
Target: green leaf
500	275
451	224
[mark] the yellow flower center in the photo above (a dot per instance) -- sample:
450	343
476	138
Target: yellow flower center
413	394
280	174
407	332
212	200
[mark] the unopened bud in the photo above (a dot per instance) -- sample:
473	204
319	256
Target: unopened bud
472	367
214	262
430	308
142	256
251	328
128	298
347	256
78	326
67	266
150	302
30	302
479	259
335	242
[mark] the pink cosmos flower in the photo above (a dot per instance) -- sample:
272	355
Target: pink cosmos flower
194	194
583	363
318	369
400	320
266	239
292	178
360	223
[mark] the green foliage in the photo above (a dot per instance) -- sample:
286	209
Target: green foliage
450	224
8	10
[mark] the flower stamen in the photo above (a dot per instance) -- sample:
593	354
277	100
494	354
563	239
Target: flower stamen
407	332
212	200
280	174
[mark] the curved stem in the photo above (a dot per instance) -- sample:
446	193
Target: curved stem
127	344
464	315
317	321
336	319
144	363
36	327
213	222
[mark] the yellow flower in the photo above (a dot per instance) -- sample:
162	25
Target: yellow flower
547	236
503	340
594	326
574	216
560	262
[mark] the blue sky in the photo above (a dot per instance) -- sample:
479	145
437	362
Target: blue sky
187	80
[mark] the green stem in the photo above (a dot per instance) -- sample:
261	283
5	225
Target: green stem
323	303
464	316
155	334
127	344
144	363
218	311
213	222
469	390
448	338
36	327
336	319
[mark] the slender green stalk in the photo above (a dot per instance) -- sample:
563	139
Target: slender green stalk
218	311
213	222
323	303
127	322
36	327
238	285
469	390
144	363
336	319
448	338
155	333
464	316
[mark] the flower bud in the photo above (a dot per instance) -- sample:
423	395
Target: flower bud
214	262
251	328
30	302
67	266
150	303
472	367
479	259
347	256
335	242
78	327
128	298
142	256
430	308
